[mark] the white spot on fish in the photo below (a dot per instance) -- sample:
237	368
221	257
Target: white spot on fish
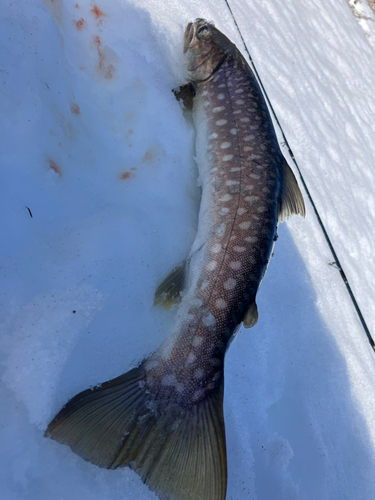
266	190
245	119
196	342
221	86
216	248
169	379
213	136
224	210
230	284
237	112
226	197
220	97
211	265
241	211
228	157
244	225
251	239
249	137
220	230
191	358
235	264
152	364
240	101
198	394
239	91
231	183
221	122
233	131
218	109
204	285
261	209
248	148
204	93
225	145
209	320
220	304
254	176
199	373
251	198
235	169
239	249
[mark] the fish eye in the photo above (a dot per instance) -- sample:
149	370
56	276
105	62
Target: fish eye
203	30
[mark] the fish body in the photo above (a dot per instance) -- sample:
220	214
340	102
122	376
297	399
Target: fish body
165	418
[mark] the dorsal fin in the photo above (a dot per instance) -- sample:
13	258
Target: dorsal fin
291	200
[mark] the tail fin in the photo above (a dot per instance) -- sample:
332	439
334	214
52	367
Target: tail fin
178	452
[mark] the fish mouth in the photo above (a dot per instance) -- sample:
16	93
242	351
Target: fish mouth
191	30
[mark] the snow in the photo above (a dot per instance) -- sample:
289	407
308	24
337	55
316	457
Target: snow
95	145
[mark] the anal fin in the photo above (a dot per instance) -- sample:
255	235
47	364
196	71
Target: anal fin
291	200
251	316
168	293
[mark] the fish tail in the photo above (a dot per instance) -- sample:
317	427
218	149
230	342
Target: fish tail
179	452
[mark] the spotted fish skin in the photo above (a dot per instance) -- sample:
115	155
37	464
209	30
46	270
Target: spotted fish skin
164	418
241	170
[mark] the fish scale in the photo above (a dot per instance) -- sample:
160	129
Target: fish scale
164	418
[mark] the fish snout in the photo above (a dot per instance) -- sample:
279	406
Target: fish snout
188	36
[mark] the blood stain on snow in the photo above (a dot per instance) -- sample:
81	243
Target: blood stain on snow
98	14
75	109
124	176
148	156
106	70
53	166
153	155
80	24
76	6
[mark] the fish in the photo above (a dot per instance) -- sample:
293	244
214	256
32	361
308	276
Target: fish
164	419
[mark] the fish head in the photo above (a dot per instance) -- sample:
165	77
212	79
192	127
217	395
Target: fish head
206	49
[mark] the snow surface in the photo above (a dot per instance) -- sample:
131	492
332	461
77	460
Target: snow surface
95	145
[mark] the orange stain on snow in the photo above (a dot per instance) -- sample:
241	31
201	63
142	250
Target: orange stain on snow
75	109
124	176
53	166
98	14
80	24
105	70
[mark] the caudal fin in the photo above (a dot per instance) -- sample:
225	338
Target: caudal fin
178	452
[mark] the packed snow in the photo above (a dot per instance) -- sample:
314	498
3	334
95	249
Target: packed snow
100	200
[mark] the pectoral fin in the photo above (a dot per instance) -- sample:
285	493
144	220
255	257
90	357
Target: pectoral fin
291	200
251	316
185	93
168	293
